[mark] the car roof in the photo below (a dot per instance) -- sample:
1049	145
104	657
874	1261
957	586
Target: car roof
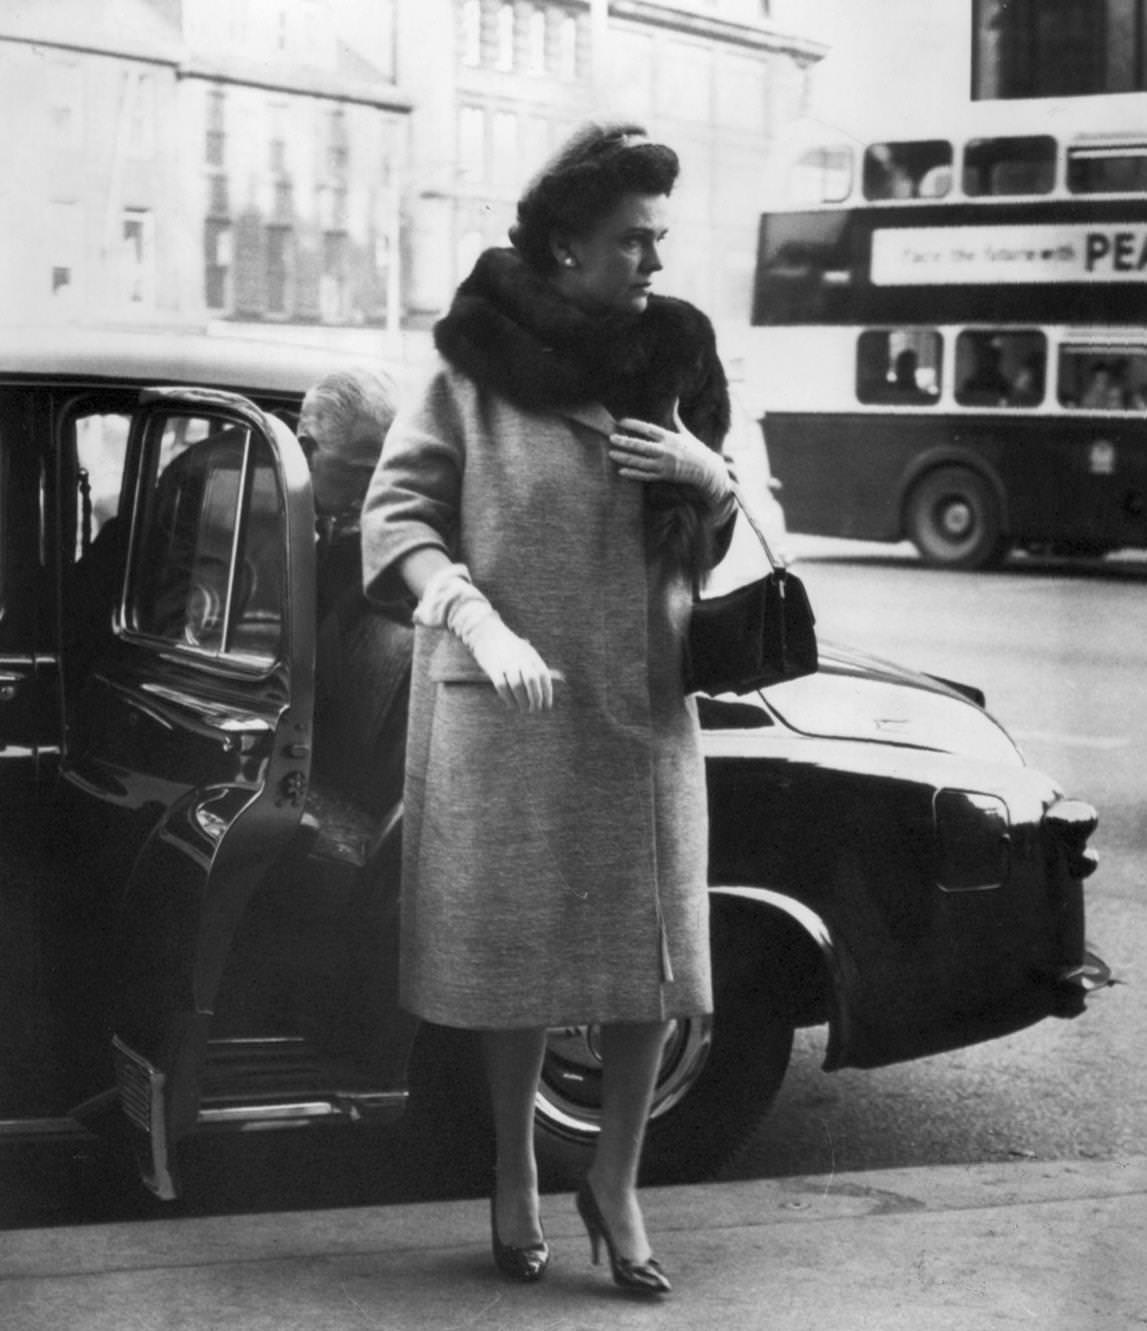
163	356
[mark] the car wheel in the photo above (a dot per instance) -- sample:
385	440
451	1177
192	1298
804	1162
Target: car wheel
719	1075
953	519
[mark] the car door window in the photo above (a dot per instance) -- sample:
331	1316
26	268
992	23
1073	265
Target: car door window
100	447
207	567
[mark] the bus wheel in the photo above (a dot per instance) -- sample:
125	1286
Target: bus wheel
953	519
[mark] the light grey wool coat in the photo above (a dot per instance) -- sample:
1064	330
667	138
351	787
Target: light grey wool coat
555	863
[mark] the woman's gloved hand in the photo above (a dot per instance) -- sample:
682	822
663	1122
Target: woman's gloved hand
519	675
647	452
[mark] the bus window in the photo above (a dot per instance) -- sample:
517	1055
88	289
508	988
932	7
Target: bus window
1009	166
1103	379
1000	369
915	170
822	175
899	366
1107	169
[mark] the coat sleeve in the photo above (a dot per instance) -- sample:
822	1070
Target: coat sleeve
415	492
706	410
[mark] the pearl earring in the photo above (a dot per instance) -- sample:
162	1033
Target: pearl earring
568	261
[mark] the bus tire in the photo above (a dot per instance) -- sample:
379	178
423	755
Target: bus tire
952	516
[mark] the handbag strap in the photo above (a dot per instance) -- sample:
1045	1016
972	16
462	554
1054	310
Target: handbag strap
739	495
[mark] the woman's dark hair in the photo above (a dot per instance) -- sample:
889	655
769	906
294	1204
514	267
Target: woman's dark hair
584	181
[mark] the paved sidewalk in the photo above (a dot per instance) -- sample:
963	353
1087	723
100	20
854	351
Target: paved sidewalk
981	1248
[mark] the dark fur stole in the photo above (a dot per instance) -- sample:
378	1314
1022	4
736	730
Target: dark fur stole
510	331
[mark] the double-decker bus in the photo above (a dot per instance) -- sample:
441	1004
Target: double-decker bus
950	335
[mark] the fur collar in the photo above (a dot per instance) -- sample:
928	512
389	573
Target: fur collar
509	330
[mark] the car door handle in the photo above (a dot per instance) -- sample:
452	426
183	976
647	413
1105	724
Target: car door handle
10	681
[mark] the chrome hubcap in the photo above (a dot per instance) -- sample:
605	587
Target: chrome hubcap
569	1097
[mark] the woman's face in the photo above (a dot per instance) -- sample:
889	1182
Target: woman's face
611	267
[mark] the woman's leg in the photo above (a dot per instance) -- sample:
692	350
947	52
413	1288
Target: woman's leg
631	1055
513	1062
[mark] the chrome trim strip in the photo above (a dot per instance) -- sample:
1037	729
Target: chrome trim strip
255	1115
808	919
19	1128
290	1113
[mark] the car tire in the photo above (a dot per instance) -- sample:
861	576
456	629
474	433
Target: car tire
719	1077
953	518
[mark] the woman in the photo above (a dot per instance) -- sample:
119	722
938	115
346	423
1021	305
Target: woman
550	500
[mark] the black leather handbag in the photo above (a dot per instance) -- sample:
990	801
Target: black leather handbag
755	635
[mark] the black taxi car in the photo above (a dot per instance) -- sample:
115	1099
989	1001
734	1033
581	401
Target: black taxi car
199	930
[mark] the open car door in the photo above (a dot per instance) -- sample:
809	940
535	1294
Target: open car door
191	733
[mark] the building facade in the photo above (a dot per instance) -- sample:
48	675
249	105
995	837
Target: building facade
497	84
293	165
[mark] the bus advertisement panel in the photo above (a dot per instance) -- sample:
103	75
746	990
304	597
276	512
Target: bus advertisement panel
950	345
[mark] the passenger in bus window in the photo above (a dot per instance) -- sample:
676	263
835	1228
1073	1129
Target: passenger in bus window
884	176
1027	386
987	385
905	384
1104	391
1137	395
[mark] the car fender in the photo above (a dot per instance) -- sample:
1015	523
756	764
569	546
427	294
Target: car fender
834	968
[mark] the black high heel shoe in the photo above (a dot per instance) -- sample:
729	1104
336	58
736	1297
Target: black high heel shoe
640	1277
526	1265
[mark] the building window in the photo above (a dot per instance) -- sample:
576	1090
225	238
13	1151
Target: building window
137	257
472	143
277	141
567	48
470	246
535	142
471	41
507	167
283	201
333	283
536	39
631	68
338	148
218	197
278	270
215	142
65	238
216	263
333	209
139	113
65	103
506	34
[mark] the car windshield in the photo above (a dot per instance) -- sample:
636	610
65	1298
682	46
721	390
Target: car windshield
842	705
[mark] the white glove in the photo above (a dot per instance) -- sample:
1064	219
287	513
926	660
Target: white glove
519	675
648	452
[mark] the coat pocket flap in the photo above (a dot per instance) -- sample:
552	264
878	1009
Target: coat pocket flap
452	663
